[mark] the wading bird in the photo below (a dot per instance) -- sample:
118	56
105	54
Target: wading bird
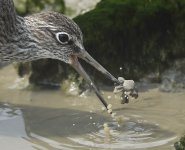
44	35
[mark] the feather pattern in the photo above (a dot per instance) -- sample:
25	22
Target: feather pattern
33	37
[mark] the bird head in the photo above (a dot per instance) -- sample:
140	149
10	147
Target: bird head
58	37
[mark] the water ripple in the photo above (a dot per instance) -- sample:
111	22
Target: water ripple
132	134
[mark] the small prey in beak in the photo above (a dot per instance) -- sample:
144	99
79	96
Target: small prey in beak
77	66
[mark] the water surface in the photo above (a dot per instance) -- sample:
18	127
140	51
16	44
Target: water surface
52	120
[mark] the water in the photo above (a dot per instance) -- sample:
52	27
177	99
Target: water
52	120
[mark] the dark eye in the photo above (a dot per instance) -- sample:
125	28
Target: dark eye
63	37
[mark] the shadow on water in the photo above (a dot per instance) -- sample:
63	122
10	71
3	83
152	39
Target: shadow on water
36	127
52	128
54	122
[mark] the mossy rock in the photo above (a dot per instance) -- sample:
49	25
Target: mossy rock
49	72
181	144
141	36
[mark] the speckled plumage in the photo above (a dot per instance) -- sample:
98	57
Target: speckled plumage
33	37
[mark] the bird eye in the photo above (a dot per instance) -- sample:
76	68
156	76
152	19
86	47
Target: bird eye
63	37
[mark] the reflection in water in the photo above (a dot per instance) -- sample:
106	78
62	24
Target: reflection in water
12	130
54	129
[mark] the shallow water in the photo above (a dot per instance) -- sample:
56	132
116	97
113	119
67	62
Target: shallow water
51	120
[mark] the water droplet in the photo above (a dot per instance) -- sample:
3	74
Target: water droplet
109	97
109	106
110	111
105	125
113	115
103	108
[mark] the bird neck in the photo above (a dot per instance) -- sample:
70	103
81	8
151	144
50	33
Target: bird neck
16	42
18	46
7	17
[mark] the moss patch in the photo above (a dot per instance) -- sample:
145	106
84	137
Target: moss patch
141	36
181	144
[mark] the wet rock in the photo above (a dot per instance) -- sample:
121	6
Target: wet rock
173	79
140	37
180	145
76	7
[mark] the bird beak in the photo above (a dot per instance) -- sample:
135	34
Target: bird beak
77	66
85	56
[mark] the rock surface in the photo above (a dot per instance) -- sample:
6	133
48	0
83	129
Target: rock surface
76	7
173	79
181	144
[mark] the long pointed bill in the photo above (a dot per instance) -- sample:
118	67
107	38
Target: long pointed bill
85	56
74	62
